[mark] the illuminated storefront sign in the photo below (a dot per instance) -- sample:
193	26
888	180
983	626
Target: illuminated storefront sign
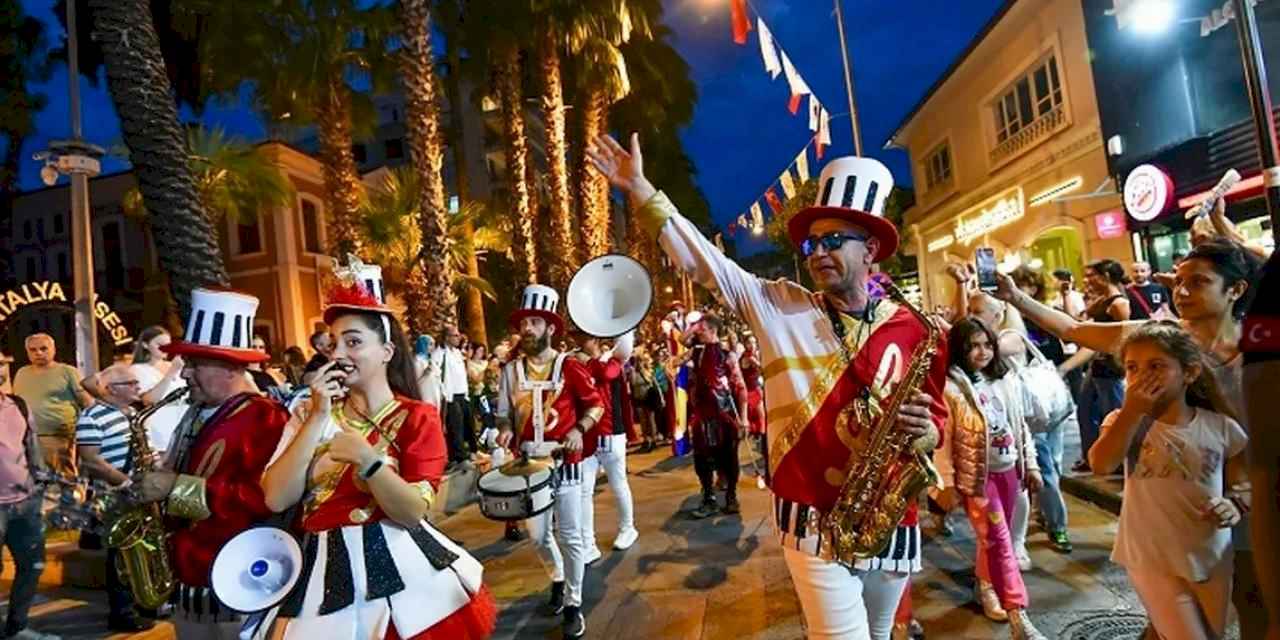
1147	192
38	292
1056	190
938	244
1110	224
991	215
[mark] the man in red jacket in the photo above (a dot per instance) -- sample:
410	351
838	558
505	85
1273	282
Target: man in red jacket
211	483
608	371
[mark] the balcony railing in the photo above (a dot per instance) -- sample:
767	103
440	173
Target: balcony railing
1029	136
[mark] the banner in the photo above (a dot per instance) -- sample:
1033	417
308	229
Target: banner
768	51
799	88
788	186
802	164
741	25
757	215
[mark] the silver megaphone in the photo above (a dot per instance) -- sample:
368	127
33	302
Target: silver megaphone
609	296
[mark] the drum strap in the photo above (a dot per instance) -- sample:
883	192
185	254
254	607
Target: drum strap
553	384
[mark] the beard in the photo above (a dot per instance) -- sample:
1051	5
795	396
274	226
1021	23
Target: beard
533	345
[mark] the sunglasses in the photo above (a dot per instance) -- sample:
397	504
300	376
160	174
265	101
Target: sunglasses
831	242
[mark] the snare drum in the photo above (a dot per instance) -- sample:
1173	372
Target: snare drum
516	492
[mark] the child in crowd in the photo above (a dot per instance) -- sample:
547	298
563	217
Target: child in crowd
1175	537
986	457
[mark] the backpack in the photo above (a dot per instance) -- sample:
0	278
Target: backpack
1046	396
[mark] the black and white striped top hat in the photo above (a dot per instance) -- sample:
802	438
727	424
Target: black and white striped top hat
539	301
359	287
220	327
853	189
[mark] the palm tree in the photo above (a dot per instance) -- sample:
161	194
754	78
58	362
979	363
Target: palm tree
309	62
185	241
23	62
433	294
389	226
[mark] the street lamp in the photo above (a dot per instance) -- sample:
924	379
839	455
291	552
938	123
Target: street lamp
1149	17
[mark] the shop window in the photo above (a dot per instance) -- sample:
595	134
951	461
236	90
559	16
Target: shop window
1028	109
311	228
937	167
248	236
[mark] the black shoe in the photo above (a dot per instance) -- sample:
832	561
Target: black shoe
707	509
555	605
1061	543
129	624
1081	466
731	506
574	626
513	533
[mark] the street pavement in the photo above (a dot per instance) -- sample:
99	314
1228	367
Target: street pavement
724	577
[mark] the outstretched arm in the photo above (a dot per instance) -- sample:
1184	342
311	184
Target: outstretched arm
1093	335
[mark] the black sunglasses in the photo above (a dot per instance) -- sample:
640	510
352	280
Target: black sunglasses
831	242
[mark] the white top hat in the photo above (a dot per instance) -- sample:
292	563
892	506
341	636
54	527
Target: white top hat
359	288
220	326
853	189
371	276
539	301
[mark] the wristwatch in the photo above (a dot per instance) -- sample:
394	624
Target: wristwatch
372	469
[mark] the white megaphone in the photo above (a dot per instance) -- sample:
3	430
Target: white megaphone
255	570
609	296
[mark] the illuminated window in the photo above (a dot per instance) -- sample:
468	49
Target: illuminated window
1030	97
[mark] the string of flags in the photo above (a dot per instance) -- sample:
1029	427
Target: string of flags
778	63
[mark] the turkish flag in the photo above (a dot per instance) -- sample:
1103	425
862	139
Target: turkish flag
741	25
771	197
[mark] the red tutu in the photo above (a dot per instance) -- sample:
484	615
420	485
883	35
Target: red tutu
475	621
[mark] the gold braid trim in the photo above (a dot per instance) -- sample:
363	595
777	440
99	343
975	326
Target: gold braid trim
426	492
595	413
654	213
187	499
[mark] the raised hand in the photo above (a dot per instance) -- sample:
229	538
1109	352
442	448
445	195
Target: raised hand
624	169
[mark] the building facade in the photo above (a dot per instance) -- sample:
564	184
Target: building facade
1007	152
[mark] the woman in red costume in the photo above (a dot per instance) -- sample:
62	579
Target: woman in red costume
364	458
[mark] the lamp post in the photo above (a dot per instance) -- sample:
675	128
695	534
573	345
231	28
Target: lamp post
78	159
848	81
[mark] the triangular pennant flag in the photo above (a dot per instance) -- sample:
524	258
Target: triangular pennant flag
814	108
720	242
741	25
742	221
788	185
824	132
768	50
797	84
802	164
757	215
771	197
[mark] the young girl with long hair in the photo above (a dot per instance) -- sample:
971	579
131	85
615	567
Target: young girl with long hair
986	458
1178	455
364	458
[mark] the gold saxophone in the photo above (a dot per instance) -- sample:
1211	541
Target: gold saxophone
138	532
887	472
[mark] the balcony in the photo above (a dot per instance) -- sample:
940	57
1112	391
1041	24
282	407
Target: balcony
1029	136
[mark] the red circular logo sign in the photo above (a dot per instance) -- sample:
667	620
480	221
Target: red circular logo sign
1147	192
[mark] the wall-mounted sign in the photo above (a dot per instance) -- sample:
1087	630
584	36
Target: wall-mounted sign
37	292
1110	224
940	243
990	215
1060	189
1147	192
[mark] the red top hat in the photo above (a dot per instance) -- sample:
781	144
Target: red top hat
852	189
538	301
359	288
220	328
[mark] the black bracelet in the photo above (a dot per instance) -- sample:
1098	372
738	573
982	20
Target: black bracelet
373	468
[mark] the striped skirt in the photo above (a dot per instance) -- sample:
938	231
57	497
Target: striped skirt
799	528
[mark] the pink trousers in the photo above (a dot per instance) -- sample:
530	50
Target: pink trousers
991	516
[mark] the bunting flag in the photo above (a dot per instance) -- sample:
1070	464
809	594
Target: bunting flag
788	185
814	108
757	215
771	197
824	132
741	25
802	164
720	240
768	50
797	84
742	221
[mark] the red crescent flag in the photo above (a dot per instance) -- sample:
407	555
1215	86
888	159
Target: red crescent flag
741	25
771	197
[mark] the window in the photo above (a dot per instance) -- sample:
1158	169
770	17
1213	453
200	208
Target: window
62	266
248	236
58	224
113	252
1031	97
31	269
937	167
311	228
26	230
395	148
360	153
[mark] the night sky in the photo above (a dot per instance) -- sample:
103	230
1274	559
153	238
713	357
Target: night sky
742	135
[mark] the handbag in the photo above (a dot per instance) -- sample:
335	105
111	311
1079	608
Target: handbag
1048	399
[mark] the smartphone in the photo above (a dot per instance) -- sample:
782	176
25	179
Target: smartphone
985	262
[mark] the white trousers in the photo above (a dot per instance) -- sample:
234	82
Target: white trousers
564	522
612	455
1021	519
840	603
1183	610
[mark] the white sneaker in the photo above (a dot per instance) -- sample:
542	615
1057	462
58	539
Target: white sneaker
1024	558
32	634
626	538
593	554
1020	627
985	594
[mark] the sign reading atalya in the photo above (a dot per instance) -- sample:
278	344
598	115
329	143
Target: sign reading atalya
40	292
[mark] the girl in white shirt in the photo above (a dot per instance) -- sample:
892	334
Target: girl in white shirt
157	377
1175	538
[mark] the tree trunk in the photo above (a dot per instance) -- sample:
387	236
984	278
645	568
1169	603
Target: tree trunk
342	187
561	209
517	151
641	247
593	188
472	300
186	242
439	306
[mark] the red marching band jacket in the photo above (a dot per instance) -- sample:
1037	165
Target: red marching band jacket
230	453
578	396
803	474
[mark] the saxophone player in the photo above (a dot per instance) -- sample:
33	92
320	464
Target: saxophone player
211	488
831	360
